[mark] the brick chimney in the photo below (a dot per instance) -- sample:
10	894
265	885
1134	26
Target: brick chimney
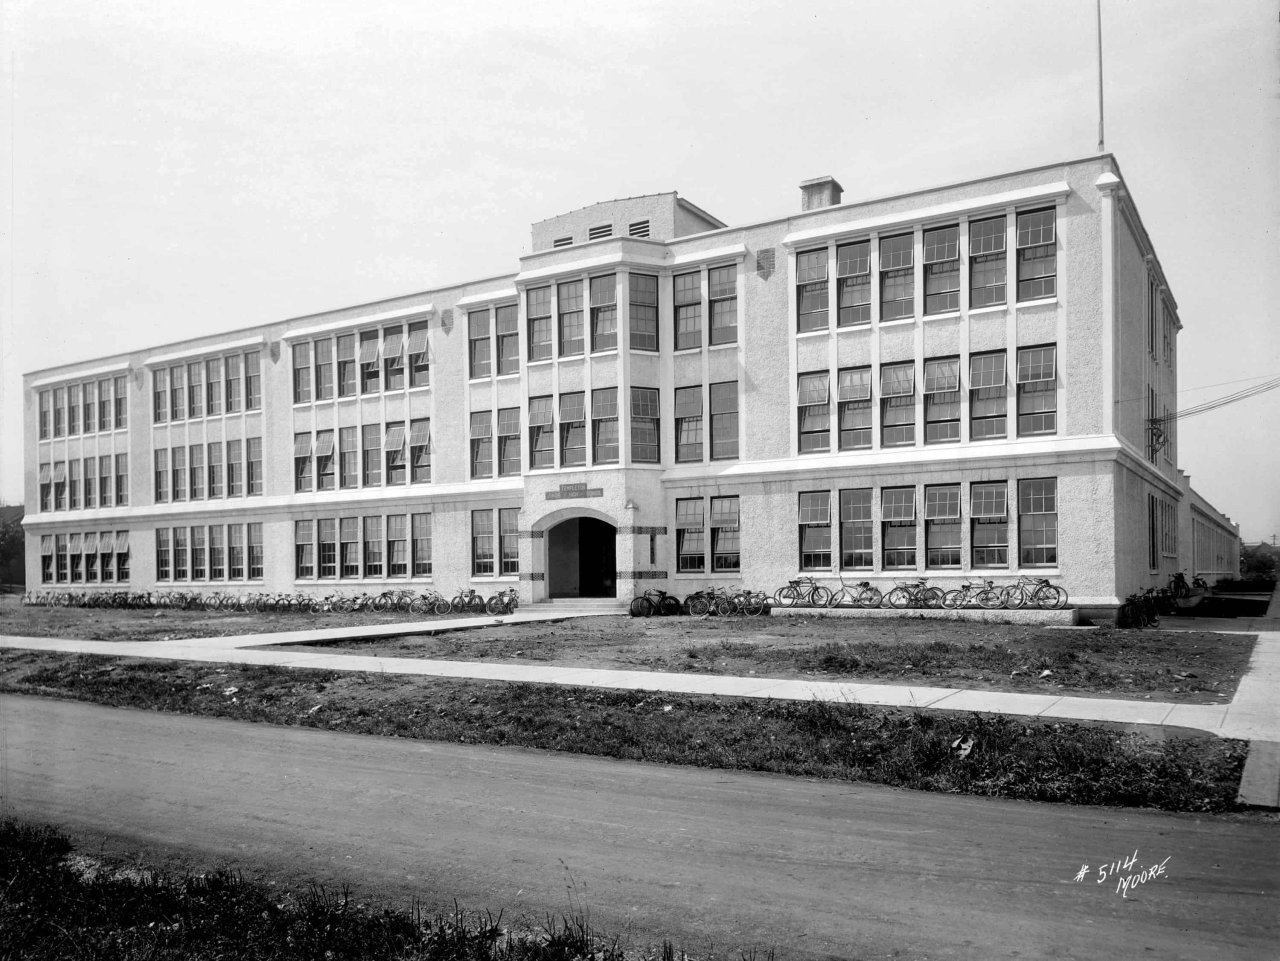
820	192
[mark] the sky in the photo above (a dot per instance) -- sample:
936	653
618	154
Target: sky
172	170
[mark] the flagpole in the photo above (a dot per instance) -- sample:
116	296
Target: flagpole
1101	140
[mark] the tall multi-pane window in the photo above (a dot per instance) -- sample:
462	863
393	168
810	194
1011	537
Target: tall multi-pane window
898	405
217	552
121	544
942	400
813	400
73	484
73	409
855	408
989	514
1037	255
897	277
479	347
691	528
481	443
370	362
811	290
815	531
159	398
104	405
1038	522
645	416
162	554
348	458
542	433
45	480
304	549
898	517
538	312
46	413
373	546
234	383
46	558
121	396
942	526
162	476
195	389
604	425
371	455
988	396
420	451
107	555
509	540
397	545
253	465
508	441
724	420
347	365
303	465
253	385
855	529
722	291
302	373
725	544
180	553
393	449
419	362
198	555
569	302
324	460
393	358
482	542
214	393
1037	390
90	485
941	270
349	546
644	312
853	272
177	393
59	485
59	411
323	359
327	547
573	429
988	264
507	331
215	470
688	415
90	407
235	468
91	557
195	461
76	550
421	545
688	306
604	312
178	458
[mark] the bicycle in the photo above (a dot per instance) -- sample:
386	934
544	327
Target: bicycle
1033	592
984	595
803	591
1138	610
915	593
864	596
504	602
467	600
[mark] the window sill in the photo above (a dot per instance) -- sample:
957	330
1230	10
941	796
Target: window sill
605	352
540	363
571	358
418	389
897	322
947	315
479	380
512	376
848	328
990	309
732	345
824	332
1044	302
677	351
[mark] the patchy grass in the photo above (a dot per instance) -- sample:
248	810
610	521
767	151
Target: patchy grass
1010	757
55	904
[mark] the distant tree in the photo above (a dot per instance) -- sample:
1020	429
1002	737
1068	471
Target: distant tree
1258	562
12	549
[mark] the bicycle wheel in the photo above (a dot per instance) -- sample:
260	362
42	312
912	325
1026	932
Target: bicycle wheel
869	598
953	600
699	605
458	605
440	607
1013	597
724	606
989	600
645	607
669	606
753	605
820	597
788	596
899	597
932	597
476	606
1053	598
495	605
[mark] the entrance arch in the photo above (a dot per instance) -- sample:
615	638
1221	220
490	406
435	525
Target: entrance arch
582	558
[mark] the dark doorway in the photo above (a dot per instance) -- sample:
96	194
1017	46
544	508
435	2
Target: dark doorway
582	559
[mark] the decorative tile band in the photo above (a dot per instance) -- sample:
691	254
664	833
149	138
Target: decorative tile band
642	530
537	576
532	535
642	575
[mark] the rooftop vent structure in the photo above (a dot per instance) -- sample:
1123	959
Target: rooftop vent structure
820	192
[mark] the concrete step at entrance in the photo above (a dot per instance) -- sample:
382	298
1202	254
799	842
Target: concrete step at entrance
589	605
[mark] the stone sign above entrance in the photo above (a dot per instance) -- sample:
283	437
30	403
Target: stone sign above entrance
567	491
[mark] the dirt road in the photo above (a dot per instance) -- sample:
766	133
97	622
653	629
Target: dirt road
707	858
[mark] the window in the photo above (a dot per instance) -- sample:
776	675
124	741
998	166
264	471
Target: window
855	530
324	369
90	406
988	396
644	312
159	400
347	365
573	430
645	448
420	451
941	270
569	301
198	553
348	458
942	526
989	512
255	551
349	545
481	443
195	461
122	480
1038	522
371	461
59	411
393	448
122	413
1037	391
177	394
178	462
90	487
179	553
104	480
479	356
373	547
688	304
688	424
898	515
393	358
725	547
814	402
46	413
91	557
162	476
542	433
107	556
324	460
1037	255
481	542
397	545
304	549
121	544
213	388
302	462
76	552
539	314
416	348
46	487
73	409
370	366
724	420
327	546
217	552
235	468
253	462
987	263
253	398
604	426
897	278
898	405
509	539
853	272
46	558
815	531
233	384
162	554
195	389
942	400
855	408
691	545
722	283
508	334
421	530
104	405
811	290
215	469
60	542
73	484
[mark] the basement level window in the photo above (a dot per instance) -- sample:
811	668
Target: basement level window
601	232
562	242
639	229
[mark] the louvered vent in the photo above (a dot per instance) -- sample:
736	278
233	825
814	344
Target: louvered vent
639	229
601	232
562	242
764	262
